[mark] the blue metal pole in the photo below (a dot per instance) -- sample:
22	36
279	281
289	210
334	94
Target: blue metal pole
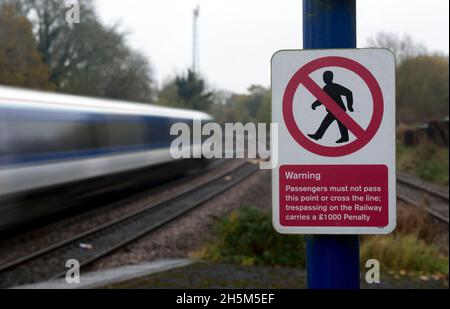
332	260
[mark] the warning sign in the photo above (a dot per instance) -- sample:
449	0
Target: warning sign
336	116
335	194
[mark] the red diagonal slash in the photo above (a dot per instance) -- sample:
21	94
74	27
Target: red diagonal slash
329	103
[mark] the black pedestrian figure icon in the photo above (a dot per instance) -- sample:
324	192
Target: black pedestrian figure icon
335	91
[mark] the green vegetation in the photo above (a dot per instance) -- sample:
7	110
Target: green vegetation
254	106
41	50
422	89
422	79
21	63
89	58
400	252
426	160
246	237
186	91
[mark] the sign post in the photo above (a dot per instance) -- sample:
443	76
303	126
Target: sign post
332	260
335	106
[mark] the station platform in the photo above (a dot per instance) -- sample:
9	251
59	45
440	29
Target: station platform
104	278
192	274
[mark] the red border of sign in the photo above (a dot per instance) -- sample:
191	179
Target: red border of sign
299	77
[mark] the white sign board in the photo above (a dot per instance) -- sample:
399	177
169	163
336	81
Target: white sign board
335	109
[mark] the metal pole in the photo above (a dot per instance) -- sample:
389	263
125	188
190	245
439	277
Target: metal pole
195	47
332	260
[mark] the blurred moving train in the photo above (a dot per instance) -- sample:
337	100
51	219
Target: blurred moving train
53	142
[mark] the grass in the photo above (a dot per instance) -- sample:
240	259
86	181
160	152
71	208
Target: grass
246	237
425	160
416	221
404	252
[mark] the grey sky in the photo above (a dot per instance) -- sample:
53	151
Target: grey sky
238	37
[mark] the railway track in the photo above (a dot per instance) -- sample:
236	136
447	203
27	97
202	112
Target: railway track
108	206
49	263
421	194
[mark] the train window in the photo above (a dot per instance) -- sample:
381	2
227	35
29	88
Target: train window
30	133
126	132
159	131
36	137
100	134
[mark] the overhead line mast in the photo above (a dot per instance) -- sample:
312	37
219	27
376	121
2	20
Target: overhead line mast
195	42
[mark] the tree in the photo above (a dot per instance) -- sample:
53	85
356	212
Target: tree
20	62
403	47
168	95
422	89
104	66
88	58
186	91
132	80
222	110
51	30
265	110
254	106
191	90
422	79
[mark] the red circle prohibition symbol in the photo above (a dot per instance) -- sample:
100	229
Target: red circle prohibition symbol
363	136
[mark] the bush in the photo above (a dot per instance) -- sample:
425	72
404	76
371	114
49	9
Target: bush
400	252
247	237
426	161
417	222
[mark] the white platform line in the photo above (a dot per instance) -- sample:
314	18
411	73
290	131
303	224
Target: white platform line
102	278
